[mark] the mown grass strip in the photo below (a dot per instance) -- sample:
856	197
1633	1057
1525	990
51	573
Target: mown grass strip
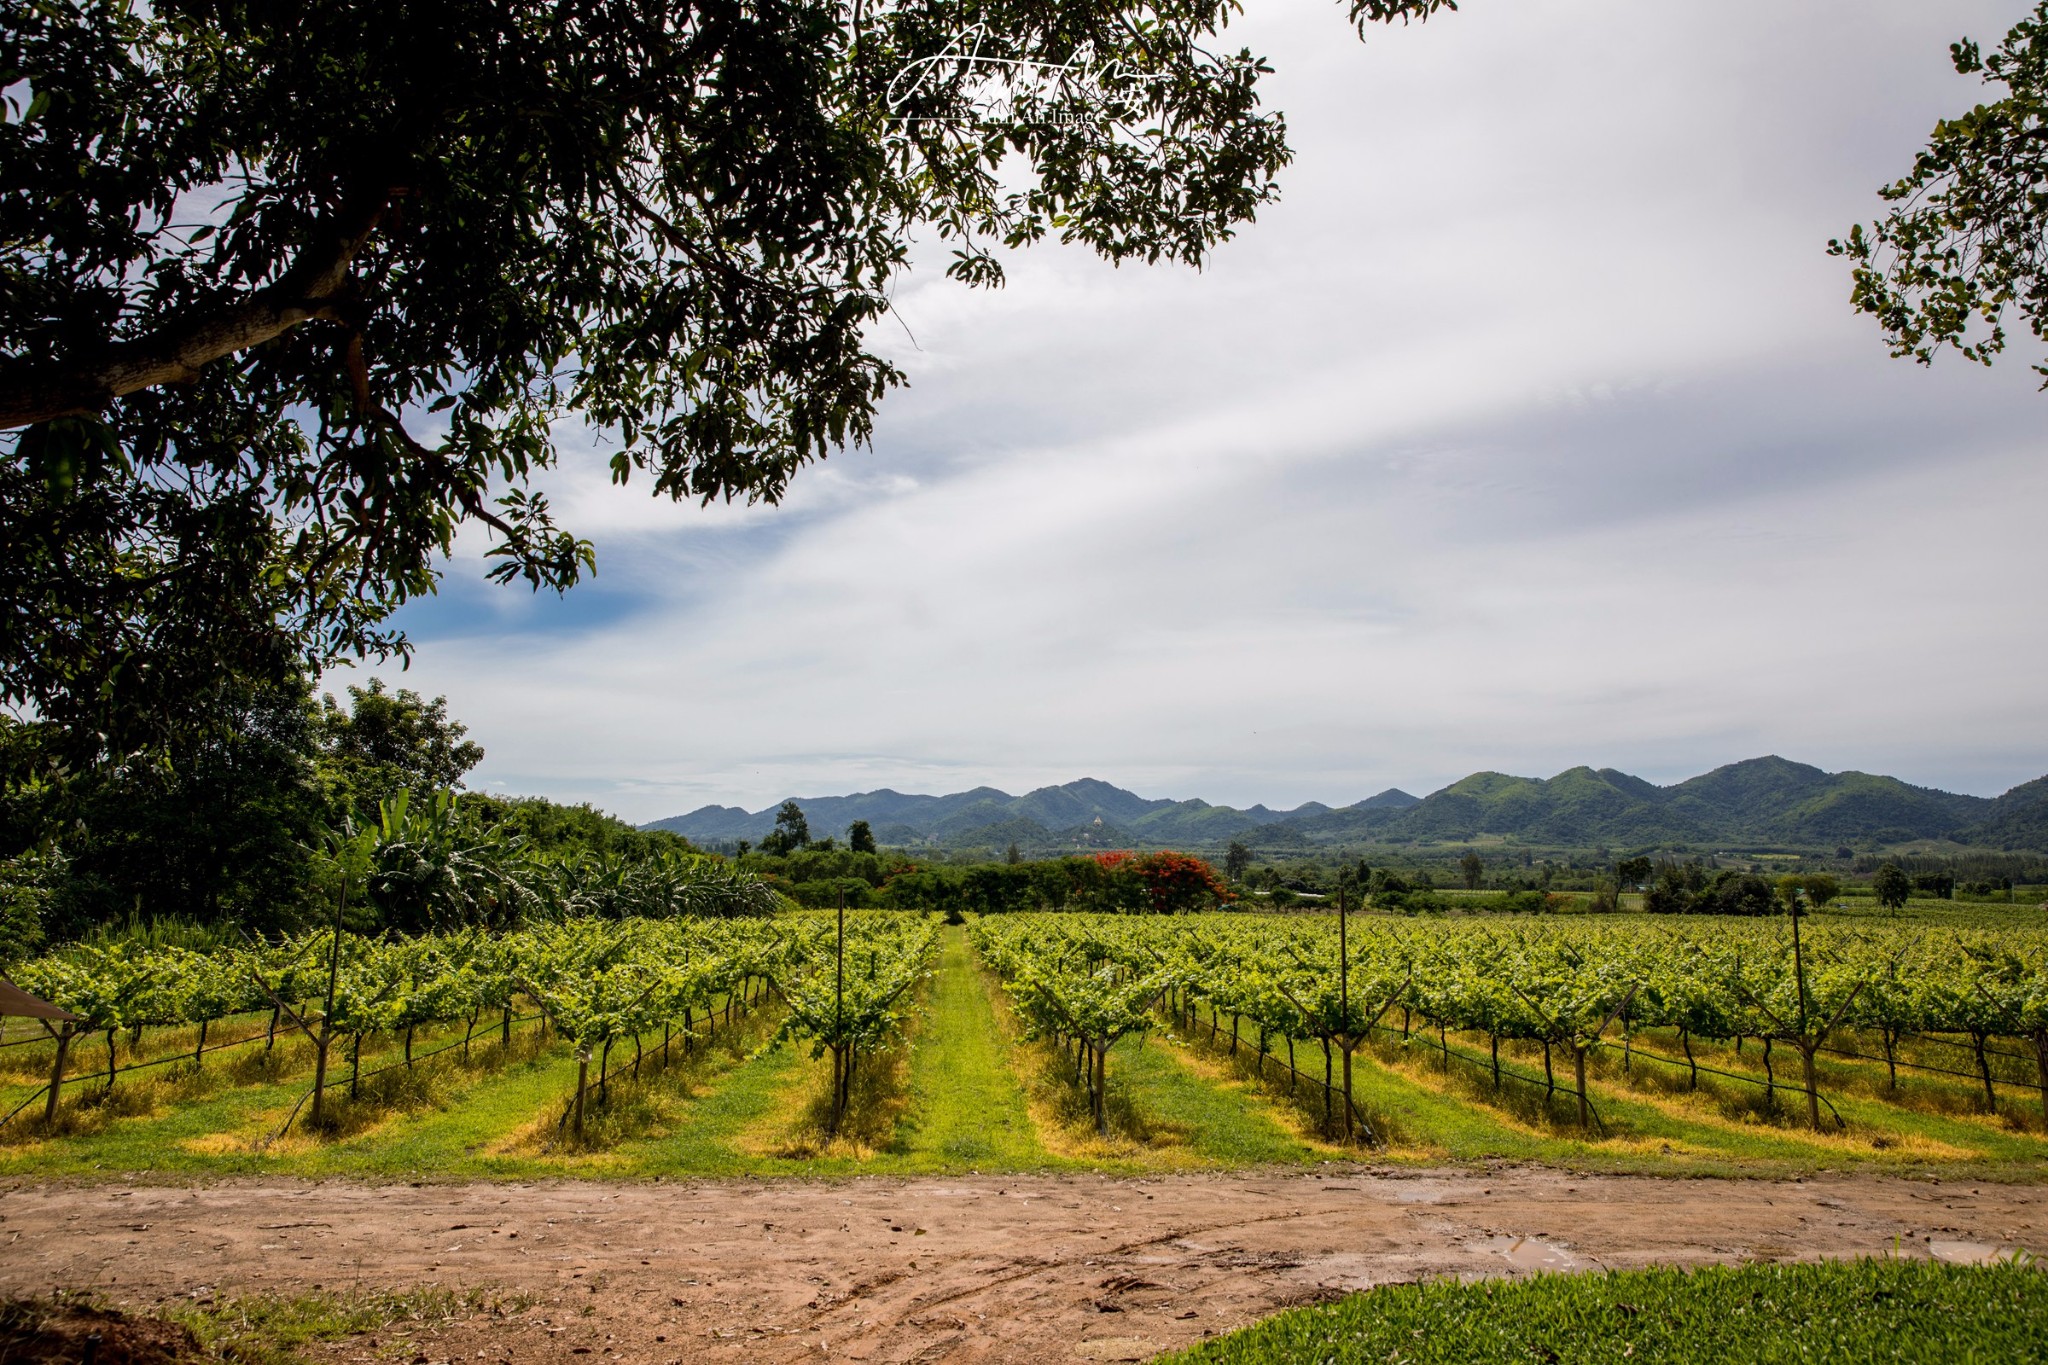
1217	1122
700	1140
967	1105
456	1141
1832	1313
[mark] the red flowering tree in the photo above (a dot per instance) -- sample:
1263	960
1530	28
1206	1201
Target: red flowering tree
1176	883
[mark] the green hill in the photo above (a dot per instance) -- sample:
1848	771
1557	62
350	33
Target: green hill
1760	802
2016	820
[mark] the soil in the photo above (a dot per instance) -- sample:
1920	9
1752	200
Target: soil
973	1269
64	1334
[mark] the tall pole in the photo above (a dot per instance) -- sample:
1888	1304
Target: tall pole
1798	961
1344	995
327	1012
64	1045
1806	1040
839	1079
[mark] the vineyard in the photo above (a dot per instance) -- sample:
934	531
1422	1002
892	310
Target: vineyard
1566	992
867	1040
591	985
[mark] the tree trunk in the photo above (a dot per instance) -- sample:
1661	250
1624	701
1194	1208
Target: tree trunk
1579	1072
1549	1080
1328	1085
320	1046
1770	1076
2040	1066
838	1072
470	1032
199	1049
1493	1041
582	1084
1984	1070
1348	1111
1293	1075
408	1046
1891	1061
110	1060
1806	1051
1233	1033
505	1027
1685	1041
64	1046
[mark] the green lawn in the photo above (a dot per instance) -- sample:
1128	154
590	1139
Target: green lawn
967	1105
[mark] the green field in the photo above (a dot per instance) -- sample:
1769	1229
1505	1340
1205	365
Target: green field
965	1091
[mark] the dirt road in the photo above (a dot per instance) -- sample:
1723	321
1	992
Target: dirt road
964	1270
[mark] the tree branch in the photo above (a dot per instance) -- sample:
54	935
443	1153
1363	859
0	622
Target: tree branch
311	287
465	492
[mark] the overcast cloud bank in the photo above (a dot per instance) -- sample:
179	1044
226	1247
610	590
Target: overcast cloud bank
1531	429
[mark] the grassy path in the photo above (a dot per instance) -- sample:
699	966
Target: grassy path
702	1138
967	1106
964	1107
458	1139
1188	1109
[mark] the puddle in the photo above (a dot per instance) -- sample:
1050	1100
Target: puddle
1343	1270
1527	1253
1967	1253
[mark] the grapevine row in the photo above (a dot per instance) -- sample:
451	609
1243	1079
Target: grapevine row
1570	988
595	981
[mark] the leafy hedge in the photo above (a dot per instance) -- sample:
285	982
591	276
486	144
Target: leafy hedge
1832	1313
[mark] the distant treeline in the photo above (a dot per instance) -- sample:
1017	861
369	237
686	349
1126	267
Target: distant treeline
243	824
1111	883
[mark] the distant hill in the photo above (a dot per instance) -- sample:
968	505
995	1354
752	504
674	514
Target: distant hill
1767	801
1087	813
2018	819
1758	801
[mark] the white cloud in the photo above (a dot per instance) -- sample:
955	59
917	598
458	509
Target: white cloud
1531	429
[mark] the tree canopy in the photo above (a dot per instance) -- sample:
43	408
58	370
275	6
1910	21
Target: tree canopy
1963	242
289	293
384	742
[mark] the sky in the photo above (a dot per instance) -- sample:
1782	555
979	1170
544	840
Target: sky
1531	428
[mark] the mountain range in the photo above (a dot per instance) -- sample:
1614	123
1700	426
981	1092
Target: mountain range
1760	802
